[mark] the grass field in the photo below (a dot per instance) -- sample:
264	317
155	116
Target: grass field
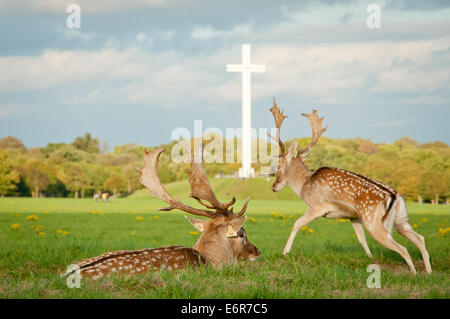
327	262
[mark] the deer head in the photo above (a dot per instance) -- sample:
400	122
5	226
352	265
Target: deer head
289	161
223	240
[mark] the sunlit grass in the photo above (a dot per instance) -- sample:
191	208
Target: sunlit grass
326	260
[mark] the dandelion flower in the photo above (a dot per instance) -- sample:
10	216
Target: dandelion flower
41	233
94	213
65	233
304	228
415	225
31	217
273	214
443	231
424	220
194	232
311	230
139	218
46	213
252	219
156	217
15	226
59	231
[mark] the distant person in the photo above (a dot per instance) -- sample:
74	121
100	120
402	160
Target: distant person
96	196
105	197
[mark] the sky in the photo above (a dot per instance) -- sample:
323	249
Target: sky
137	70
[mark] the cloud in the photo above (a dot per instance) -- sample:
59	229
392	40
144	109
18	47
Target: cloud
87	6
427	100
208	32
351	74
57	68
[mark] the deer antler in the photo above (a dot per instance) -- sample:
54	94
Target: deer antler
317	131
200	188
279	118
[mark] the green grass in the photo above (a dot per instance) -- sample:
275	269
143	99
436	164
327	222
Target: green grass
327	263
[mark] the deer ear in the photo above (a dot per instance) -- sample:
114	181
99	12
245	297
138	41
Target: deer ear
292	152
197	223
234	226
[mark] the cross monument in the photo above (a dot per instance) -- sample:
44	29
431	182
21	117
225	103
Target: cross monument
246	171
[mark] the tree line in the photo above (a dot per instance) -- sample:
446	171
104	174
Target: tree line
80	169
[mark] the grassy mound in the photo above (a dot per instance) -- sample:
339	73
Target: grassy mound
226	188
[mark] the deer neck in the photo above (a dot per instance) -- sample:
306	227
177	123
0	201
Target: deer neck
214	254
298	175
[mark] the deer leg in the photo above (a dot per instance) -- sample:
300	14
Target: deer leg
385	239
359	230
407	231
308	217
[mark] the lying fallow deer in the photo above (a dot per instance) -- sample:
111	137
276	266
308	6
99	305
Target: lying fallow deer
223	240
337	193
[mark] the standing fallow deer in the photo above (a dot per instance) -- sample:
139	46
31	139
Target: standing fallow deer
337	193
223	240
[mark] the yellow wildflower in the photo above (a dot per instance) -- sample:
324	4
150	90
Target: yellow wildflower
31	217
65	233
194	232
41	233
59	231
304	228
252	219
46	213
101	213
15	226
140	218
273	214
133	233
311	230
443	231
424	220
94	212
282	216
291	216
415	225
156	217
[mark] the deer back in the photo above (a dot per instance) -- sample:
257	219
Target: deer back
140	261
349	192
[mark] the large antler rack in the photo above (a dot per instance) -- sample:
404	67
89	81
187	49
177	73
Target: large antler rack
317	131
200	188
279	118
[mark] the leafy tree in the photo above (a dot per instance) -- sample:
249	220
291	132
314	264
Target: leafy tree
8	175
11	142
38	175
76	179
87	144
114	183
131	178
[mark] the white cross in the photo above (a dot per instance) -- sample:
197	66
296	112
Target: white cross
246	68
